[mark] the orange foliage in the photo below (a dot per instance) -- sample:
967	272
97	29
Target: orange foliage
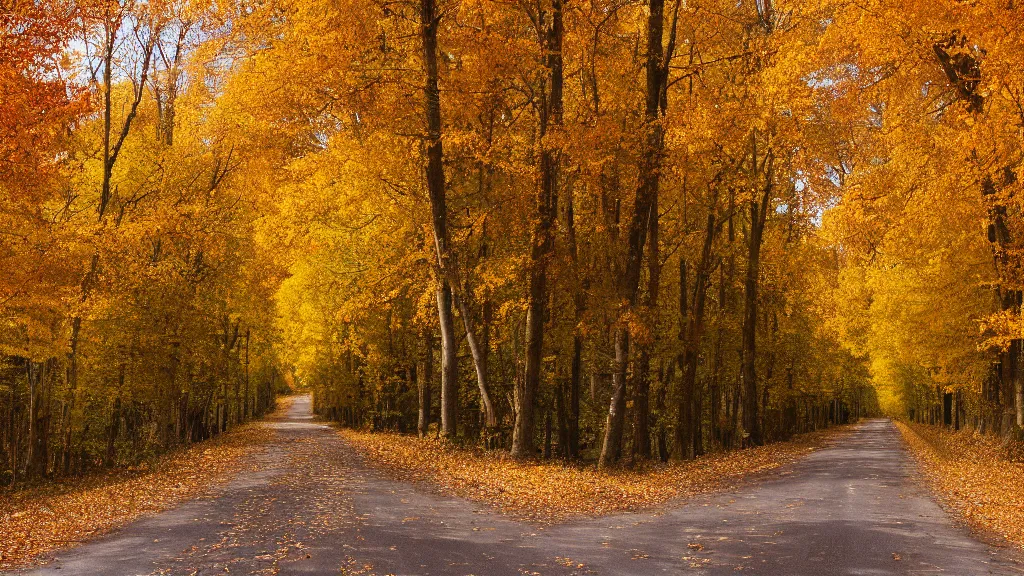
52	516
38	104
555	491
975	475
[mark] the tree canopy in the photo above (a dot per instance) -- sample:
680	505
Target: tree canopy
609	230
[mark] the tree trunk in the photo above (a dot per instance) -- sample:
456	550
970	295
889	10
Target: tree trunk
574	397
547	435
245	404
32	409
543	237
449	363
572	450
562	415
758	216
112	430
425	375
1015	369
641	397
665	375
646	191
716	369
749	367
439	212
479	354
694	322
612	446
641	405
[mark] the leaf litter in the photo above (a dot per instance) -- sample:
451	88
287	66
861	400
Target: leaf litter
555	491
980	477
40	519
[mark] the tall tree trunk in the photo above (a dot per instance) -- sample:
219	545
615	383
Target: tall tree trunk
562	415
425	376
245	405
612	446
694	330
72	368
439	212
574	397
479	353
641	397
30	450
543	234
1016	353
716	369
113	427
449	363
665	376
698	420
646	192
749	368
758	217
572	450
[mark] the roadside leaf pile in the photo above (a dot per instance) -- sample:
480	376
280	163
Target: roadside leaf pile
979	477
549	492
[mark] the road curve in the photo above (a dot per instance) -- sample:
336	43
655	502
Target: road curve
310	507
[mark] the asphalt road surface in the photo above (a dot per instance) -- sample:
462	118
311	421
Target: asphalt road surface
856	508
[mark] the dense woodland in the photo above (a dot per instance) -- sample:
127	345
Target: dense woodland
606	230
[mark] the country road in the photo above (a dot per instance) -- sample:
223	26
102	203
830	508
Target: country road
855	508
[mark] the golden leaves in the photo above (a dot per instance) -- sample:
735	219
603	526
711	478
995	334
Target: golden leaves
974	475
554	491
38	520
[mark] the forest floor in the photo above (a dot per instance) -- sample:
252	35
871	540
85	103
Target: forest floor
48	516
311	504
979	477
554	491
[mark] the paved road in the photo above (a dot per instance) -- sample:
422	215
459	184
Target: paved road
851	509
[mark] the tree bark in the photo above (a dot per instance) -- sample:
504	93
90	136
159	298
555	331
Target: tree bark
685	447
480	365
758	216
646	191
439	212
424	376
716	370
572	450
642	395
1016	351
30	450
543	236
245	405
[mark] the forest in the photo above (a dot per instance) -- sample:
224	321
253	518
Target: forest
604	231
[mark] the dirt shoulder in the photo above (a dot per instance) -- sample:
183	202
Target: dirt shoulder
553	491
974	476
40	519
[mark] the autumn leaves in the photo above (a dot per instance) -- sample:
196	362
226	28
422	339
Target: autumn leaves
608	231
522	174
